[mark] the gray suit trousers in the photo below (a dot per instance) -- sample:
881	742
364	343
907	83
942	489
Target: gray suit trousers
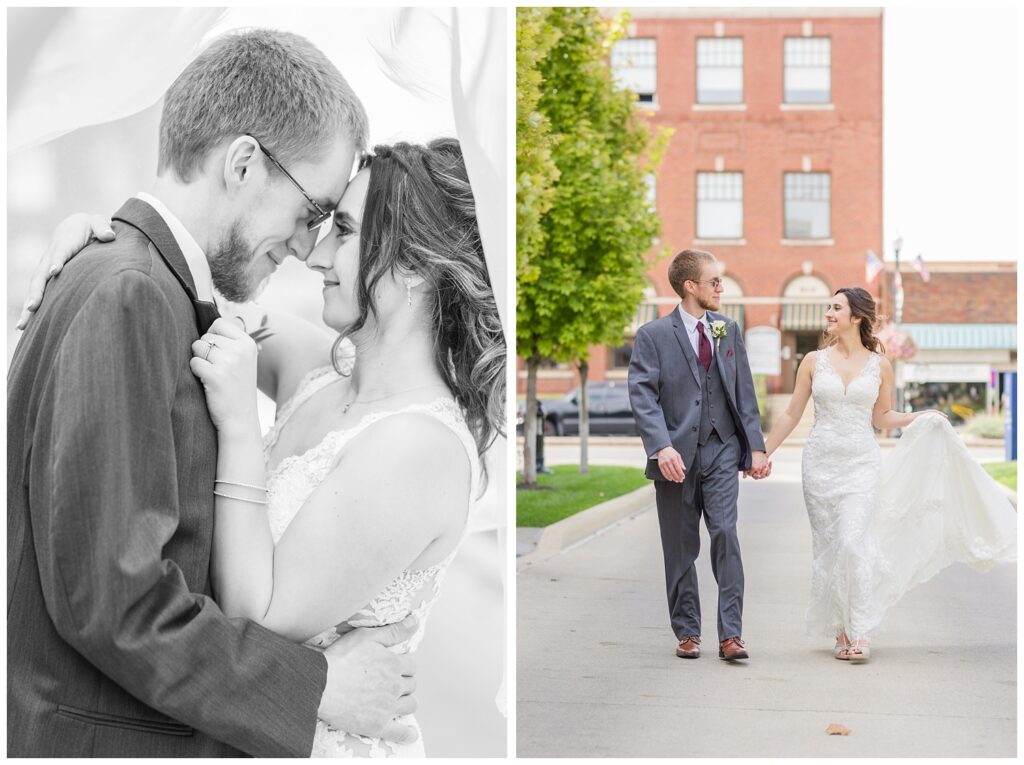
711	489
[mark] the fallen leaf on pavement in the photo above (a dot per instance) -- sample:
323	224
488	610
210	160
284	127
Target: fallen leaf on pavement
835	729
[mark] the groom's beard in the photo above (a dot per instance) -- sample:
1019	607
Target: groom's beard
229	267
707	305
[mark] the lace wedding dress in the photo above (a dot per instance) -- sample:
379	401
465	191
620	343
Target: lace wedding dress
877	529
413	591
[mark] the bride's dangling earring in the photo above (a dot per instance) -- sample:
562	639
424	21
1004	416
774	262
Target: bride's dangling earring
342	358
408	289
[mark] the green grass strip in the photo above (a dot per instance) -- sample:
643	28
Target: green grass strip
1004	472
567	492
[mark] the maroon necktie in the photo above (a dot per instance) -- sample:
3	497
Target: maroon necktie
705	347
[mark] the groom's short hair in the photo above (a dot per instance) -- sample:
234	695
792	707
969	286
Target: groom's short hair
276	86
687	266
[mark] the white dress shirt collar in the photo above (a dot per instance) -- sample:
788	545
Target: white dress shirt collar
691	322
194	255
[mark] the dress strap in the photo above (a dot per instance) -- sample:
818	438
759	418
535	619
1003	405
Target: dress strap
312	382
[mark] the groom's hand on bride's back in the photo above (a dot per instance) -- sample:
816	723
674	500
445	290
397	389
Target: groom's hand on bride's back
369	685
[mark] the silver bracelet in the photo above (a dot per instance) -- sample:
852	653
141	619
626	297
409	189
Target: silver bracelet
240	499
244	485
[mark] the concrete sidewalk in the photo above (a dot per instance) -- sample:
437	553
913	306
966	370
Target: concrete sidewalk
597	673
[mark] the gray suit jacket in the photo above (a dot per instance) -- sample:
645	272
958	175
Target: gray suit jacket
665	390
115	647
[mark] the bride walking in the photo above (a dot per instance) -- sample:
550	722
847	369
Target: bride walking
880	528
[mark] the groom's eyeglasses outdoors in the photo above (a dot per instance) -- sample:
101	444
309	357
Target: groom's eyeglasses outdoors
715	283
322	215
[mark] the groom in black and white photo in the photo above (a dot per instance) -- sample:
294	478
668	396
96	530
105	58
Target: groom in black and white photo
115	646
693	399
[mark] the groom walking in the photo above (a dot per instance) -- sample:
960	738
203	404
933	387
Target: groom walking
694	404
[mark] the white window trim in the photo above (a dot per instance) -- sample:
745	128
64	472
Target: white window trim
722	242
808	242
720	107
784	107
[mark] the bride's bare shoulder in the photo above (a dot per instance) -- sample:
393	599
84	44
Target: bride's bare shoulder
810	361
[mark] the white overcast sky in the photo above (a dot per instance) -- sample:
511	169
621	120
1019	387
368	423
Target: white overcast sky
952	91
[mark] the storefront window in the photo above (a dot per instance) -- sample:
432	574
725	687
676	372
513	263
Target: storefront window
959	400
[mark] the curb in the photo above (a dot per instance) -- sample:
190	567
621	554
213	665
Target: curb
1010	493
635	441
568	531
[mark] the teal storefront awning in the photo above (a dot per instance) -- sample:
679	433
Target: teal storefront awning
735	312
645	312
804	316
963	336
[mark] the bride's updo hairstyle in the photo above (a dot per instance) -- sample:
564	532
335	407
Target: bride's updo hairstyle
419	217
862	306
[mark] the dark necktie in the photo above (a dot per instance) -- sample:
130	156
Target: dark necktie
206	314
705	347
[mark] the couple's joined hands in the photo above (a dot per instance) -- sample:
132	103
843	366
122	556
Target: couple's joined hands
760	466
670	463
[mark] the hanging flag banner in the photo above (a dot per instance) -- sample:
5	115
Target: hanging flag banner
920	267
872	267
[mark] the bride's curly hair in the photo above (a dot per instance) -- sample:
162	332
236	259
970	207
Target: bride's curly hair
419	217
862	306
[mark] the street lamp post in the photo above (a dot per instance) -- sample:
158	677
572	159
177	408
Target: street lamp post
898	319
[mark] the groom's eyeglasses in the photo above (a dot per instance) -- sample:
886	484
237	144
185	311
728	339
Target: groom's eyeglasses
322	215
715	283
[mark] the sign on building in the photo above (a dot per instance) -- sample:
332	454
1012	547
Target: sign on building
764	351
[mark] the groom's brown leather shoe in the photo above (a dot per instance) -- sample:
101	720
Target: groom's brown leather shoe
731	649
689	648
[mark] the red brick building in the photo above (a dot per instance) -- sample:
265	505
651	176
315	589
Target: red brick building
775	164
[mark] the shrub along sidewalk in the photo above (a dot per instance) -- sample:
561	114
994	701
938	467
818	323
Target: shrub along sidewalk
567	492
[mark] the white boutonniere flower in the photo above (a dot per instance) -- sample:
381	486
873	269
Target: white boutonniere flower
718	331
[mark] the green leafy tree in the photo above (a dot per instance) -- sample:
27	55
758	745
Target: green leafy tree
535	176
583	285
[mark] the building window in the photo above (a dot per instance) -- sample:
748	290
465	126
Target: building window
808	205
652	191
620	356
719	205
808	70
720	70
635	64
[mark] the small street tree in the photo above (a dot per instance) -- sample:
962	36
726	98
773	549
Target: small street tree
535	177
587	278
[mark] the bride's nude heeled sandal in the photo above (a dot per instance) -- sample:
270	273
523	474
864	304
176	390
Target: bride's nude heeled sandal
842	649
859	650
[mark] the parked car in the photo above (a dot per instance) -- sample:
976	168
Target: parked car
610	412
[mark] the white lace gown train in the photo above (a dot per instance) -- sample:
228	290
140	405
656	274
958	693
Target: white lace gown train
880	529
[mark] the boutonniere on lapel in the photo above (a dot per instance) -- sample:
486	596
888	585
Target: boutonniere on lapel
718	331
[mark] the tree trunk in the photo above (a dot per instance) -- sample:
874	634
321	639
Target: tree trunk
530	424
584	417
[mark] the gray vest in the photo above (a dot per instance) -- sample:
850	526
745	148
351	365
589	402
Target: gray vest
715	414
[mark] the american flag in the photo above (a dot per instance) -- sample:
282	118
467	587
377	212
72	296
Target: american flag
873	267
919	266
